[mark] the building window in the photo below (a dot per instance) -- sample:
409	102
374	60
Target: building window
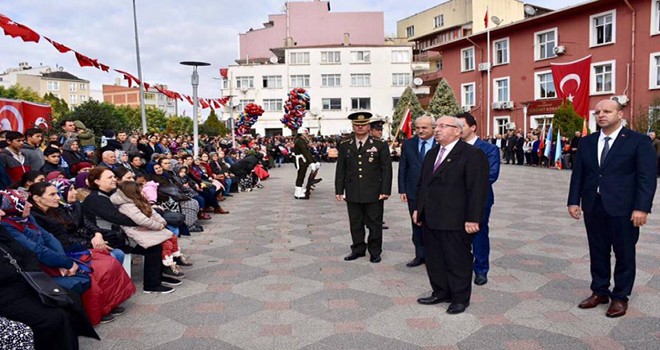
501	90
245	82
330	57
331	104
299	58
83	98
602	77
654	71
272	105
545	43
272	81
467	94
400	56
467	59
438	21
73	99
400	79
243	103
395	101
225	83
544	85
73	87
603	28
360	56
360	79
501	51
655	17
360	103
299	81
410	31
501	125
149	96
54	86
330	80
82	86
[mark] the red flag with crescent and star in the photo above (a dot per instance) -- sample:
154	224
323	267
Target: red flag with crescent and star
572	82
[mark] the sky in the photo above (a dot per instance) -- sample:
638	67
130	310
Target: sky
169	31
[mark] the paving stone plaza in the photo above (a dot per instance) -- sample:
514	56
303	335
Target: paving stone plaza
270	275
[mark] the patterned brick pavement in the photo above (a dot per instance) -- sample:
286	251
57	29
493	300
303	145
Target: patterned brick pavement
270	275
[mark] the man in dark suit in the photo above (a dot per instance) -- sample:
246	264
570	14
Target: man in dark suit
451	198
613	182
481	243
413	152
363	178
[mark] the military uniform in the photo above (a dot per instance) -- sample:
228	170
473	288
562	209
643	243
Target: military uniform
303	159
362	175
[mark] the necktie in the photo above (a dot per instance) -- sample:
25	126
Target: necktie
606	149
422	151
439	160
359	145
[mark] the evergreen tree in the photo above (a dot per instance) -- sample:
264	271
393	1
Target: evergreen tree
179	125
100	116
566	120
60	107
408	100
443	101
212	126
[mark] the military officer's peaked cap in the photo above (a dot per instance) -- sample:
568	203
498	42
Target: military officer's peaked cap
377	123
360	118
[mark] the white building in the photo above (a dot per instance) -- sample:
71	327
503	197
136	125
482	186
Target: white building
339	79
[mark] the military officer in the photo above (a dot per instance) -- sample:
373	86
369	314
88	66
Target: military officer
376	131
364	179
304	160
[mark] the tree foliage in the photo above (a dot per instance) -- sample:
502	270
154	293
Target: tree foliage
647	118
566	120
179	125
17	92
212	126
408	100
443	101
156	119
100	116
60	107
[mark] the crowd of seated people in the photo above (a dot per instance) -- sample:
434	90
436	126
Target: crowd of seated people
75	210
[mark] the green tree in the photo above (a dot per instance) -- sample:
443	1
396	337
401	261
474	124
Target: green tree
566	120
60	107
156	119
408	100
212	126
179	125
443	101
648	117
17	92
100	116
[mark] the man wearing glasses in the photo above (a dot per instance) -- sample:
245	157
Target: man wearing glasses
451	199
363	179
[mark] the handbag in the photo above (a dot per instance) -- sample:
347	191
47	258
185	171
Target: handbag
50	293
173	192
173	218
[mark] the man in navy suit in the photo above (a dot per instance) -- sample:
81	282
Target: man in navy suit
410	164
481	243
613	182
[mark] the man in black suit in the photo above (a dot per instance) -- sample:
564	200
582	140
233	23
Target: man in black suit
363	178
613	182
451	199
413	152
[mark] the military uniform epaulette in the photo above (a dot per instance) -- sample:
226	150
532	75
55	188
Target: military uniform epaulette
345	140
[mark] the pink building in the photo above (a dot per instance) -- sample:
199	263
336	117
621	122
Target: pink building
311	23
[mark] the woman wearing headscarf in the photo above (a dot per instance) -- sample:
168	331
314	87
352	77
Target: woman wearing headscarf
71	152
53	327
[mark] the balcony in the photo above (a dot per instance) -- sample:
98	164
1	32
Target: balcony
420	66
421	90
430	77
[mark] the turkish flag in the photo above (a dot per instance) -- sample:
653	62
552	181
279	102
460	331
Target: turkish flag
406	124
572	82
129	77
189	99
203	103
19	115
61	48
85	61
224	72
14	30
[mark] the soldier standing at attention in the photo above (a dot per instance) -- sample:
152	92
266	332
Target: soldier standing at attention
376	131
364	179
304	160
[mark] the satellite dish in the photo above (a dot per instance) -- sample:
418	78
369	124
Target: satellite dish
530	10
273	60
418	81
314	111
496	20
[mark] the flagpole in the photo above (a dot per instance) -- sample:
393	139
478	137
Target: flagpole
488	105
402	120
143	112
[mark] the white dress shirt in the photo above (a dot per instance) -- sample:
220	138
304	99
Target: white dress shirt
601	140
448	149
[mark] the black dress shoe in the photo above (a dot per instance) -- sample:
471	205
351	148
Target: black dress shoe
415	262
456	308
375	259
386	227
480	279
353	256
432	300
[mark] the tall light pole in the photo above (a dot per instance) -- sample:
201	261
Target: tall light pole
143	111
195	83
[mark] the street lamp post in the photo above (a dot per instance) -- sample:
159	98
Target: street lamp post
195	84
143	113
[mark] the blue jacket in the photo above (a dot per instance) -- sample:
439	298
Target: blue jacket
410	165
626	180
493	155
45	246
